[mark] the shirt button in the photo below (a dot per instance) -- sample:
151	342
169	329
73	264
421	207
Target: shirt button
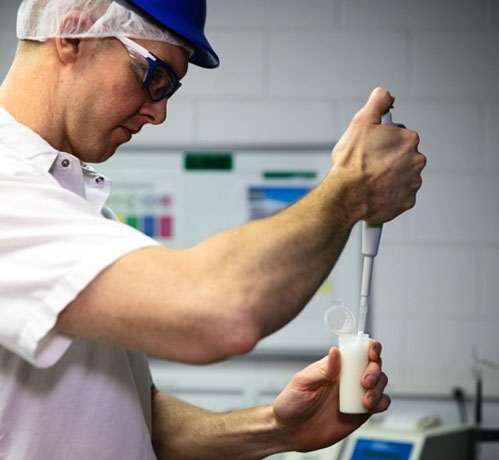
99	179
65	163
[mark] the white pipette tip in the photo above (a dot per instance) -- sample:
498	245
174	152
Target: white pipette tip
362	314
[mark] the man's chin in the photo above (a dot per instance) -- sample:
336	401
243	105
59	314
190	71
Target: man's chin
99	157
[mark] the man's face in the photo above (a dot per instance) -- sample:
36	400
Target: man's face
106	100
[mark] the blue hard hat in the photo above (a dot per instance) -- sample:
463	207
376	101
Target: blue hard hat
186	18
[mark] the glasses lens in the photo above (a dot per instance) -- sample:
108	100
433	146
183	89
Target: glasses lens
161	83
139	65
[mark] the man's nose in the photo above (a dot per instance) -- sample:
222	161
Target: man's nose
154	111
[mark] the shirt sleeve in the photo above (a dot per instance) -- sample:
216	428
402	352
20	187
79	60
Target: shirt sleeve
52	245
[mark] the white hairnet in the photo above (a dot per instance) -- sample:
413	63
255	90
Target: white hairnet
42	19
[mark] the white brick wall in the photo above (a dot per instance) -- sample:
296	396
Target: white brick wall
265	14
406	14
336	64
456	64
264	121
491	135
297	70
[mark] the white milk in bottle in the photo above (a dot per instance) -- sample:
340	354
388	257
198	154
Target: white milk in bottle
354	360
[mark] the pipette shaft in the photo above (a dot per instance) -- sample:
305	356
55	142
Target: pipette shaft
371	235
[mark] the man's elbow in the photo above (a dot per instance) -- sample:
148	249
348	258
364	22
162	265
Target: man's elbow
243	340
236	338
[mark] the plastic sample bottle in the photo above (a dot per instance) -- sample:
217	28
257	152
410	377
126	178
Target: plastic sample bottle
354	360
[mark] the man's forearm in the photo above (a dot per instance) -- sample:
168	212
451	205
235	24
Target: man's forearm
184	432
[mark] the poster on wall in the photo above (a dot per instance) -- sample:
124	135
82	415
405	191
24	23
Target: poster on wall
147	194
267	200
146	206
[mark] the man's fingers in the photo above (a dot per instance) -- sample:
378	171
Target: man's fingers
371	375
383	404
373	396
375	349
378	103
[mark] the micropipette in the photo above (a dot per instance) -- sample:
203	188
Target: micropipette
371	235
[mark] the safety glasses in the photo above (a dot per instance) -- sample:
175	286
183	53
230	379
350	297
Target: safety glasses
159	79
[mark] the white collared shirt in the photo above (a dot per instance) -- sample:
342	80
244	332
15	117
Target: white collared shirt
61	397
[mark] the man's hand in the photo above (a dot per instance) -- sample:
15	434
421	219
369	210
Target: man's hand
307	410
381	162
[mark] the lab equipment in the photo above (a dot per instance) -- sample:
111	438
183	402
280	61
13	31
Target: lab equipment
374	440
354	348
371	235
354	357
454	442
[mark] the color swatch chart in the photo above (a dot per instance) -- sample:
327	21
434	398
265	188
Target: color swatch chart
144	206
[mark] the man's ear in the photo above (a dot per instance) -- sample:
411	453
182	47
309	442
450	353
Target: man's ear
68	49
73	23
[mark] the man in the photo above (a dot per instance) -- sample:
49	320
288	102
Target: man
80	292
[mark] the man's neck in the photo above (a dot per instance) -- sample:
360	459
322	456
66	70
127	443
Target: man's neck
30	102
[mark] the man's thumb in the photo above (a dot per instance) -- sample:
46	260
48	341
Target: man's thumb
333	363
378	103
